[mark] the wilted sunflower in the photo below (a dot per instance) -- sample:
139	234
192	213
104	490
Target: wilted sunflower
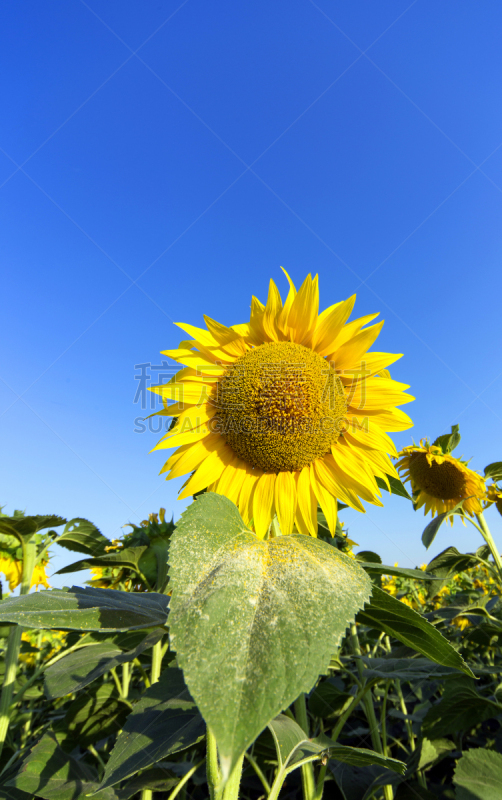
284	412
439	480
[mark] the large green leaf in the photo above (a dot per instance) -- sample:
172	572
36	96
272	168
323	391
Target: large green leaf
264	616
478	775
165	721
82	536
83	666
387	614
460	708
86	610
129	557
49	772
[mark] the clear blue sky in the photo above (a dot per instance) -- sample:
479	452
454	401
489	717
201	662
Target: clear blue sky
161	160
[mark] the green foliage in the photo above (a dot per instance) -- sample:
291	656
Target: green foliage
253	624
165	721
396	487
90	661
86	610
387	614
449	441
255	614
478	775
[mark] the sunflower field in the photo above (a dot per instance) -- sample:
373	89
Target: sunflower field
250	650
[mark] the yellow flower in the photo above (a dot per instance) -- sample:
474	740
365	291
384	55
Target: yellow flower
461	622
12	569
284	412
439	481
494	495
39	577
406	600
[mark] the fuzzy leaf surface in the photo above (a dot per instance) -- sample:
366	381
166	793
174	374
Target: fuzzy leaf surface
262	616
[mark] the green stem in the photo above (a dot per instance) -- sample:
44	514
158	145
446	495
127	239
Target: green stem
177	789
320	783
277	784
259	772
212	766
156	662
231	791
485	532
368	706
308	780
126	678
14	643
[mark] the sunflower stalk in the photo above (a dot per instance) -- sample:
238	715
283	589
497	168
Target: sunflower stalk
14	642
369	708
308	779
487	536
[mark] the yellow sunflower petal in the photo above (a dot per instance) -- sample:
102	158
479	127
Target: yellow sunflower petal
307	501
263	503
210	469
330	325
285	501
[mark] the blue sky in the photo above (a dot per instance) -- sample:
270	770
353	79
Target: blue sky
162	160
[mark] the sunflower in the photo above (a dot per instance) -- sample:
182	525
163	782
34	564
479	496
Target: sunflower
494	495
439	480
284	412
12	568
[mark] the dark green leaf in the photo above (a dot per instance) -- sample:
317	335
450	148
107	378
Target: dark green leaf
405	669
449	441
93	715
478	775
165	721
254	613
293	746
368	556
451	562
460	708
129	557
414	791
9	793
82	536
396	487
400	572
158	779
494	471
49	772
83	666
25	527
385	613
329	699
86	610
432	528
